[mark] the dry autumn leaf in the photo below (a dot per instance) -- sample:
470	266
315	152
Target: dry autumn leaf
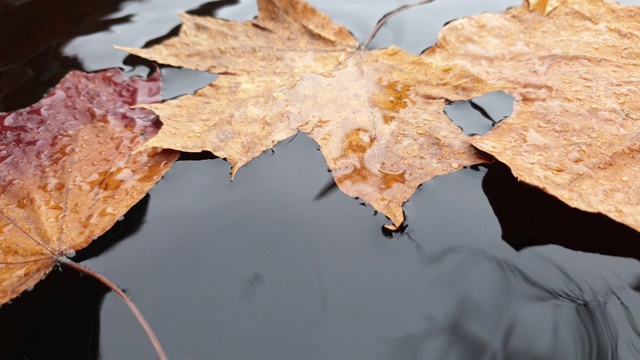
69	170
377	115
572	68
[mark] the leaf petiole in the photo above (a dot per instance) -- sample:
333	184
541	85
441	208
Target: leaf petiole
132	306
386	18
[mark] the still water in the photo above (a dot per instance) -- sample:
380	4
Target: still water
278	265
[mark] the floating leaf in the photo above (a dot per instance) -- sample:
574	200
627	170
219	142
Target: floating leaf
377	115
574	75
70	170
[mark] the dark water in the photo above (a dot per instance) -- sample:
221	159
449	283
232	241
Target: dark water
264	268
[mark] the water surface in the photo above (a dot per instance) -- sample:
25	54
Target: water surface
264	268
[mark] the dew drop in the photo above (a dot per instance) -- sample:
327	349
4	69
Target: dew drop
125	174
392	51
553	166
574	157
9	120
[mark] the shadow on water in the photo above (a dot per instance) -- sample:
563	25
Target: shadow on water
60	317
528	217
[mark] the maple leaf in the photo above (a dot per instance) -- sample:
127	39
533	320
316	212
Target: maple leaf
572	68
377	115
69	170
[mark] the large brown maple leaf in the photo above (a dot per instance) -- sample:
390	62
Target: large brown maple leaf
69	169
377	115
573	68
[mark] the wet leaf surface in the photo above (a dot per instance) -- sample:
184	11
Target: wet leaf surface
30	324
573	73
70	170
257	268
377	115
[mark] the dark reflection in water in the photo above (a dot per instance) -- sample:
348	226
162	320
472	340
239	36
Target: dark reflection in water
33	34
58	319
39	24
528	217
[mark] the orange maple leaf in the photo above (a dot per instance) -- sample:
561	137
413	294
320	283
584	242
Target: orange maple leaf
377	115
573	71
69	170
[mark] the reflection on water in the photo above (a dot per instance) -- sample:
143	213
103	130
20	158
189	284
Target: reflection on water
59	319
256	269
481	114
32	63
527	306
530	217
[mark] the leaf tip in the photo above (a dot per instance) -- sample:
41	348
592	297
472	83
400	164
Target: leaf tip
234	170
391	227
124	48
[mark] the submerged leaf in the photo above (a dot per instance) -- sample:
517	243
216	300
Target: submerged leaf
377	115
70	170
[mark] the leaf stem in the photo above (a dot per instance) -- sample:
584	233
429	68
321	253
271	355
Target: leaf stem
134	309
389	15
